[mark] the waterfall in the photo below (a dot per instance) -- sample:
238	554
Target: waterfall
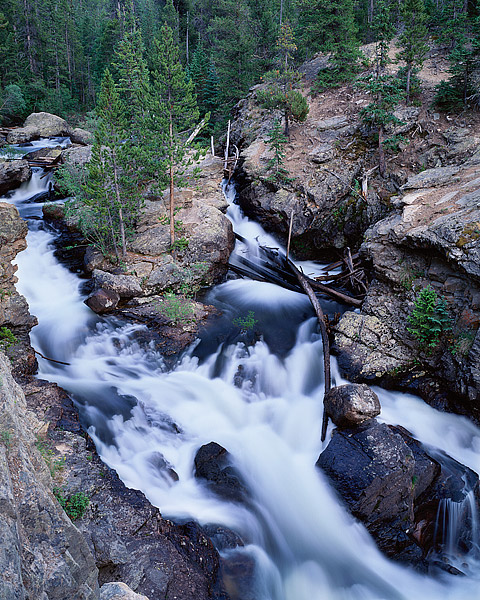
261	401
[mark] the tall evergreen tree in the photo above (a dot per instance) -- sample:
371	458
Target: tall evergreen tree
413	38
280	93
329	26
111	200
177	104
383	87
233	52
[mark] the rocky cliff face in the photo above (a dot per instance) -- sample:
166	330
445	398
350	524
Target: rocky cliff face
43	554
14	313
433	238
419	226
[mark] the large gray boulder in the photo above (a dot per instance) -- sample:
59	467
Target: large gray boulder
12	174
81	136
126	286
39	125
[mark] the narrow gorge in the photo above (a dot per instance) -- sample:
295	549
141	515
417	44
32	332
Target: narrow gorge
191	422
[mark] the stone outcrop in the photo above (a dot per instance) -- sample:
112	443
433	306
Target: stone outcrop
39	125
14	313
12	174
43	554
432	239
397	488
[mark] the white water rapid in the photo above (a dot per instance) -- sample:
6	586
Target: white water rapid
263	403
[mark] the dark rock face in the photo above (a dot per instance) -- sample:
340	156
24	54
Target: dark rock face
351	404
12	174
212	463
43	555
398	490
372	468
433	239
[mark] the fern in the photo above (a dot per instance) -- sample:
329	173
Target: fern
429	318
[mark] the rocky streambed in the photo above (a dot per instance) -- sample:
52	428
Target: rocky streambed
386	478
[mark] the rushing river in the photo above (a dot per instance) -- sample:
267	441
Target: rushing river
263	403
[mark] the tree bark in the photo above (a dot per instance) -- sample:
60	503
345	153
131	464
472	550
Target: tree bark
409	75
323	330
381	152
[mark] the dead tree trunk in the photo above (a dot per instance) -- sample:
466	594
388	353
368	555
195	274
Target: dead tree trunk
323	330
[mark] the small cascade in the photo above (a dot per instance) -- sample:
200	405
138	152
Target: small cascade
31	194
456	530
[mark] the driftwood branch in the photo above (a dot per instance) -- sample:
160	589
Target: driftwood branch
51	359
196	131
304	282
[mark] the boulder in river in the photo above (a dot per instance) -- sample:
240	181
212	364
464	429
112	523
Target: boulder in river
212	462
409	499
12	174
351	404
103	301
39	125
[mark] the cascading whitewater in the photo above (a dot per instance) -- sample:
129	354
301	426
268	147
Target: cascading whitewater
262	401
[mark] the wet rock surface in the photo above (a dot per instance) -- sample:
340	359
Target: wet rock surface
43	554
14	313
398	490
213	463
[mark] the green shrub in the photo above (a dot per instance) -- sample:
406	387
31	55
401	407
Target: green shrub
429	318
7	338
448	96
245	323
75	505
175	309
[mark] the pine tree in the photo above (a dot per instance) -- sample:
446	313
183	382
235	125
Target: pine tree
112	201
412	41
198	70
383	87
233	53
177	105
329	26
276	144
280	93
211	91
463	36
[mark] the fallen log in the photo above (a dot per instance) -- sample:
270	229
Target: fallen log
304	282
